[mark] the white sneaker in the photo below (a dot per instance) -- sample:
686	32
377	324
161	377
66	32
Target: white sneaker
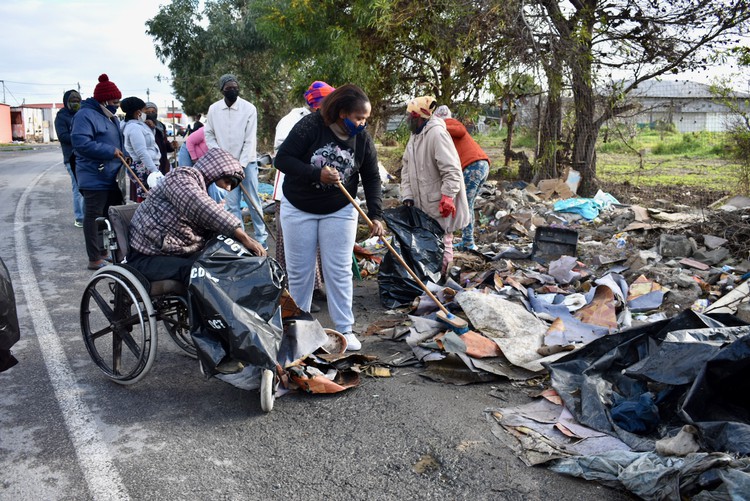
352	343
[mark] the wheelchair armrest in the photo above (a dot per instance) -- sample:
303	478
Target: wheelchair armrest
102	224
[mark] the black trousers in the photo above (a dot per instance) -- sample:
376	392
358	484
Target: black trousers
96	204
163	267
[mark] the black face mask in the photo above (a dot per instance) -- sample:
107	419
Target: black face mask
151	116
231	94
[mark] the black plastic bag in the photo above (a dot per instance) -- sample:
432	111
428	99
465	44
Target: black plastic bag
236	312
418	238
9	330
668	356
718	403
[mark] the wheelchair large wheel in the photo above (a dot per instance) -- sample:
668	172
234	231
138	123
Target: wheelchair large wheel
118	324
174	314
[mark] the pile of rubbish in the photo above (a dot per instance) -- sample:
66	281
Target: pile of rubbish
635	318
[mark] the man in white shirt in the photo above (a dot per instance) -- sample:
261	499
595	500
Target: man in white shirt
232	125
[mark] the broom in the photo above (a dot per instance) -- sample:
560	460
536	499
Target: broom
456	324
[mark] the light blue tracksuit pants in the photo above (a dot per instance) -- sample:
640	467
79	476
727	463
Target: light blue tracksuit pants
335	234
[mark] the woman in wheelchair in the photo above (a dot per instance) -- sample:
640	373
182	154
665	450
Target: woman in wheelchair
171	227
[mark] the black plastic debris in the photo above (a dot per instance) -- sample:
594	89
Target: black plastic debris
9	330
236	315
688	357
550	243
418	238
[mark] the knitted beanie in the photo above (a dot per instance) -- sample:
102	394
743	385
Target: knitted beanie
132	104
316	92
443	112
106	90
225	79
151	104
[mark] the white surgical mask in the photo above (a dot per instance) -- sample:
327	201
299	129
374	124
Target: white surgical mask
142	117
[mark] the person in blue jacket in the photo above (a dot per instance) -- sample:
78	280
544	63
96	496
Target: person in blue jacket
98	143
63	127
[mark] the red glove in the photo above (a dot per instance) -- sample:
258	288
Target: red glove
446	206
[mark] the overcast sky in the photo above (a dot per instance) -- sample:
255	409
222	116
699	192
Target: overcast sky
50	46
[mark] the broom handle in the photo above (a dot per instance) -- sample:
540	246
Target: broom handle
255	207
393	251
132	173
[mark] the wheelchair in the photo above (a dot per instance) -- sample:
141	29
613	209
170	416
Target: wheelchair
120	312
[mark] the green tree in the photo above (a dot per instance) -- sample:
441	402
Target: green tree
394	49
199	45
640	39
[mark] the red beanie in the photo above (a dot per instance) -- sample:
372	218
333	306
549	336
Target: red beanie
106	90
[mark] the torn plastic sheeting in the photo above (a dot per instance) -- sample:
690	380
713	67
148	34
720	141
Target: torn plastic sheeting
570	330
518	332
601	309
586	207
420	331
585	378
457	369
303	335
653	368
535	428
616	283
562	269
565	328
418	238
717	403
653	477
647	302
500	366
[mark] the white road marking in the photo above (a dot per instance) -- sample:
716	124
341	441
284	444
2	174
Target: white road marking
103	479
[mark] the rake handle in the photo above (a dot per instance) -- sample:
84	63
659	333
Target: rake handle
393	251
132	172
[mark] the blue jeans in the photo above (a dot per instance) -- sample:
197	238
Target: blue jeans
77	197
475	174
183	157
232	201
184	160
335	234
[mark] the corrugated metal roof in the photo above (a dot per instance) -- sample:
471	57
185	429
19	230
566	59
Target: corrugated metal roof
677	89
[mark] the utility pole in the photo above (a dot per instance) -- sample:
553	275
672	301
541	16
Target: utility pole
148	94
3	82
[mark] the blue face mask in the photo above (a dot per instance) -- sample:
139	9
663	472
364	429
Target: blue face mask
111	108
352	129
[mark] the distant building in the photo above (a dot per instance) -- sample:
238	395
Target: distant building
34	122
690	106
6	135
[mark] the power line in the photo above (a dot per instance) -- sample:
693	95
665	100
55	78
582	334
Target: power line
31	83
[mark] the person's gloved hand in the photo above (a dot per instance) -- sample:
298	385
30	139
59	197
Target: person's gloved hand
447	208
154	179
409	202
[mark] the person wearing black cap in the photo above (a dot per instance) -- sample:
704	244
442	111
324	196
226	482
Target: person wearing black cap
160	132
232	125
98	144
63	127
140	144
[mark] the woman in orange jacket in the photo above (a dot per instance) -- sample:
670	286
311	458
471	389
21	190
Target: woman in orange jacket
475	165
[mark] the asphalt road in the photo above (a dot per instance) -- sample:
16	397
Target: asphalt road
68	433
